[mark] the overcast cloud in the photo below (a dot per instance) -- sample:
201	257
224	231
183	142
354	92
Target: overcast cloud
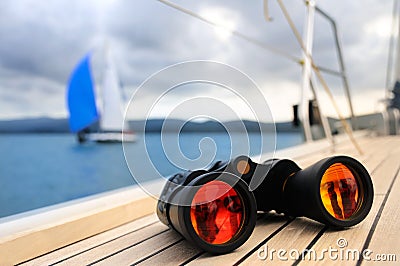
41	41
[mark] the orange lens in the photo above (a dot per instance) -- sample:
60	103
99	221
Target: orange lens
216	212
339	191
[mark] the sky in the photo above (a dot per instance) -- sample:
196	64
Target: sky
42	41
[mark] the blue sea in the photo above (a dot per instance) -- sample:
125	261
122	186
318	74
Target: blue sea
38	170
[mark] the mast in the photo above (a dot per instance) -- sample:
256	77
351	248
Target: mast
305	88
309	82
393	67
397	62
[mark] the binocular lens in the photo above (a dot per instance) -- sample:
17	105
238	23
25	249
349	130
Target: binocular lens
217	212
339	191
336	191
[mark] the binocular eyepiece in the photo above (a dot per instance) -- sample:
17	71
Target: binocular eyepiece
216	208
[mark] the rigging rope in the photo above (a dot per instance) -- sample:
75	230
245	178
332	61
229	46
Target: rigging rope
234	32
247	38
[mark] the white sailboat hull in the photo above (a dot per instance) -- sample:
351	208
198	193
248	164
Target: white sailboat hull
110	137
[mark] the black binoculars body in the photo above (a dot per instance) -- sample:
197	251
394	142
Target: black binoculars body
216	208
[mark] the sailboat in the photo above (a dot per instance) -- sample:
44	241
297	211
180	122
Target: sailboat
84	112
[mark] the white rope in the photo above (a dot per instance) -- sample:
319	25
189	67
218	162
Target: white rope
234	32
245	37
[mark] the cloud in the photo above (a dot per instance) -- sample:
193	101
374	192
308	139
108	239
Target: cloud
42	38
42	42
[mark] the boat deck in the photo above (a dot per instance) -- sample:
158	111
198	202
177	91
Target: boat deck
147	241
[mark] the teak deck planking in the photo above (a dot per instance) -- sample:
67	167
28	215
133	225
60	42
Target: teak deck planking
146	241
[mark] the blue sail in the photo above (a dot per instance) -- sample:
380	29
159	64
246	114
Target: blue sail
81	97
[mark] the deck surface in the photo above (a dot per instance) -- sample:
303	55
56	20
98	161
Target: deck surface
146	241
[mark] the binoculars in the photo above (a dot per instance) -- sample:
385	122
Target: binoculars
216	208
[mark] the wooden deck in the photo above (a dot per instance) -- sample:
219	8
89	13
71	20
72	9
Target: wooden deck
147	241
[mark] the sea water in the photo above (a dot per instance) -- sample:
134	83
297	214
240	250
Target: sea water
38	170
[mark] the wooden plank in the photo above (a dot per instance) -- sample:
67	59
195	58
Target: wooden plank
115	246
385	241
142	250
383	175
376	154
354	237
92	242
265	228
176	255
296	235
308	149
369	146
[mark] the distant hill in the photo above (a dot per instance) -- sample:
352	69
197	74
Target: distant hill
52	125
34	125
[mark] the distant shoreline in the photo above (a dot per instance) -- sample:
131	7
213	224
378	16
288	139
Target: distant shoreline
60	125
